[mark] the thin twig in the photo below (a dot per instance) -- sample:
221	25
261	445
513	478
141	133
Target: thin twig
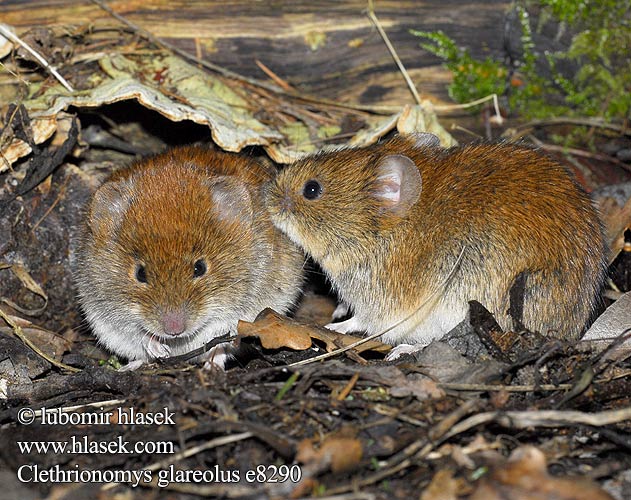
493	97
546	418
584	154
4	31
277	79
96	404
508	388
393	52
348	388
586	122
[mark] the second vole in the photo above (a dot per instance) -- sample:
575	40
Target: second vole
407	228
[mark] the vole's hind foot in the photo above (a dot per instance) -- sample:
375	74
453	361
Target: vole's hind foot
131	366
401	349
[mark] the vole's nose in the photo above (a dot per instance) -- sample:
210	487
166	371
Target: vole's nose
173	322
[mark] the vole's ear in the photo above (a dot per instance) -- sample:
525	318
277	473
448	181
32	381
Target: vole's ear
424	140
232	200
109	204
398	184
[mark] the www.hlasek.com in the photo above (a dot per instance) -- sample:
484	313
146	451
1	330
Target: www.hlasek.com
83	445
260	474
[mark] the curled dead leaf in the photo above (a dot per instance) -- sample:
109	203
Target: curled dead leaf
339	454
27	280
442	487
275	331
525	477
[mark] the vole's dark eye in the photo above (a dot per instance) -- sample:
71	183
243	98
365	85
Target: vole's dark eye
312	190
141	274
200	268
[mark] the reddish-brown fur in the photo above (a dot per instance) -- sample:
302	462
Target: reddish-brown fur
507	208
166	213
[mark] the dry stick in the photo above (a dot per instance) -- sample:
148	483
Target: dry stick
508	388
96	404
348	388
18	331
393	53
277	79
496	106
578	152
4	31
410	83
213	443
376	335
587	122
546	418
527	388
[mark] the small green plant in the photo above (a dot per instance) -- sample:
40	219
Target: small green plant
473	79
599	48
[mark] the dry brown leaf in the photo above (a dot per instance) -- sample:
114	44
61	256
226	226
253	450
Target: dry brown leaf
27	280
42	128
275	331
617	220
417	385
48	342
442	487
524	477
339	454
423	118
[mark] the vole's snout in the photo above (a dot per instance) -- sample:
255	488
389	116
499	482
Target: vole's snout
173	322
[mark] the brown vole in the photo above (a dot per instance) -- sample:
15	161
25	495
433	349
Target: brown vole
405	226
176	249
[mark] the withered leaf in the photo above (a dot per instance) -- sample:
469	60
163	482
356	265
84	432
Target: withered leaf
524	477
276	331
442	487
338	454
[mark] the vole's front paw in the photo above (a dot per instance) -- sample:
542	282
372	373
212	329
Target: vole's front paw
401	349
340	311
157	349
350	325
216	357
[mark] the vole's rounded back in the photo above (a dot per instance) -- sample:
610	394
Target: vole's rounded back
177	248
405	224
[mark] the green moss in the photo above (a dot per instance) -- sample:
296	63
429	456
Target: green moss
599	47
